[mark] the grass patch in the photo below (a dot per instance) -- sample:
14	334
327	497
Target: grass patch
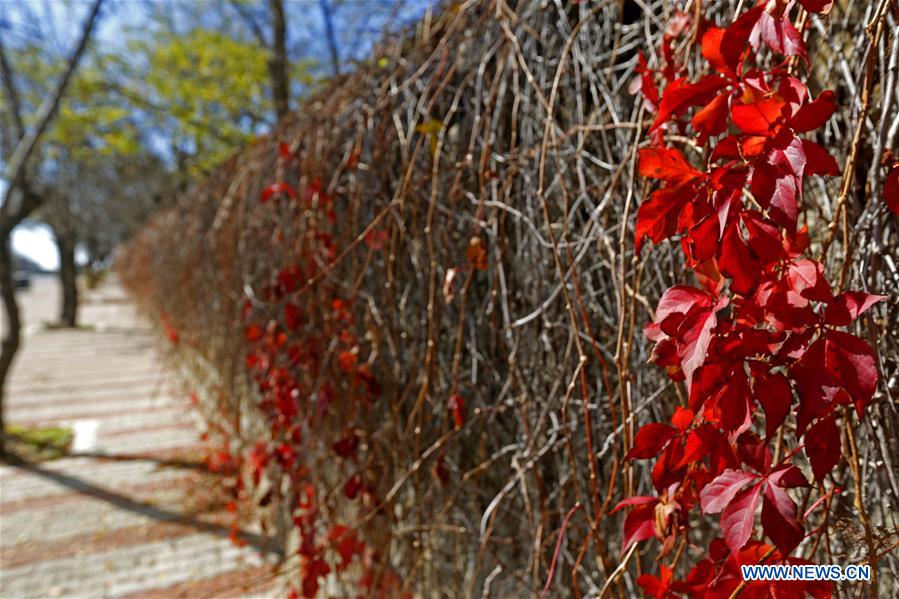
40	443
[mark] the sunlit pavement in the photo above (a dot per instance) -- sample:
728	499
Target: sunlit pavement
133	512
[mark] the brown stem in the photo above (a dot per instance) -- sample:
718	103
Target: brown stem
743	583
859	501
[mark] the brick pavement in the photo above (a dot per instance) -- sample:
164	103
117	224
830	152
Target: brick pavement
133	514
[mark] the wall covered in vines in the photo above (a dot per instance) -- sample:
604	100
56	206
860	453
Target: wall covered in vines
578	299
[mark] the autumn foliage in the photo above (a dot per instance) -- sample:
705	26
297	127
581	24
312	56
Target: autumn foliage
550	300
761	339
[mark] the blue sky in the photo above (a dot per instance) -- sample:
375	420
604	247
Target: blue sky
56	23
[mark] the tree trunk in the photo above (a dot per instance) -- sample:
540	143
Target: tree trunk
68	280
330	35
278	65
10	343
13	212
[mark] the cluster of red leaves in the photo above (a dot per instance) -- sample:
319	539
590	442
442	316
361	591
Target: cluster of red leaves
716	576
310	366
228	467
760	337
170	331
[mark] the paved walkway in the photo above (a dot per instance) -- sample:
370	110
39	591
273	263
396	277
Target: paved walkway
133	512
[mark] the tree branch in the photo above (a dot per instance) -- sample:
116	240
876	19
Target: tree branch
10	86
16	167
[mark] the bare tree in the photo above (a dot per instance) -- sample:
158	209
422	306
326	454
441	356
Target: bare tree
278	62
57	212
66	241
330	35
19	199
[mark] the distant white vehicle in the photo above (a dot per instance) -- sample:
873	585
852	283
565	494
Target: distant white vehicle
33	250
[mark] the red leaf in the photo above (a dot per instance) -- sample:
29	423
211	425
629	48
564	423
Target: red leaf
754	452
788	477
837	367
814	385
779	519
293	316
639	525
633	501
737	262
798	243
314	570
682	418
170	331
667	164
657	217
806	278
772	390
849	306
693	345
277	188
707	384
818	160
703	239
346	360
375	239
822	446
853	365
778	33
687	315
735	41
787	154
665	471
735	403
456	407
235	536
891	190
719	493
353	486
712	51
681	95
814	114
650	440
659	588
753	145
822	7
712	119
253	333
765	238
727	148
348	445
757	118
738	518
647	84
699	442
347	544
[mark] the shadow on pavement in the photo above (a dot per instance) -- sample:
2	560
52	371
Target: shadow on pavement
261	543
198	465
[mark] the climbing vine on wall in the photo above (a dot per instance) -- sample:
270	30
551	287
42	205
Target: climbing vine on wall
771	374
